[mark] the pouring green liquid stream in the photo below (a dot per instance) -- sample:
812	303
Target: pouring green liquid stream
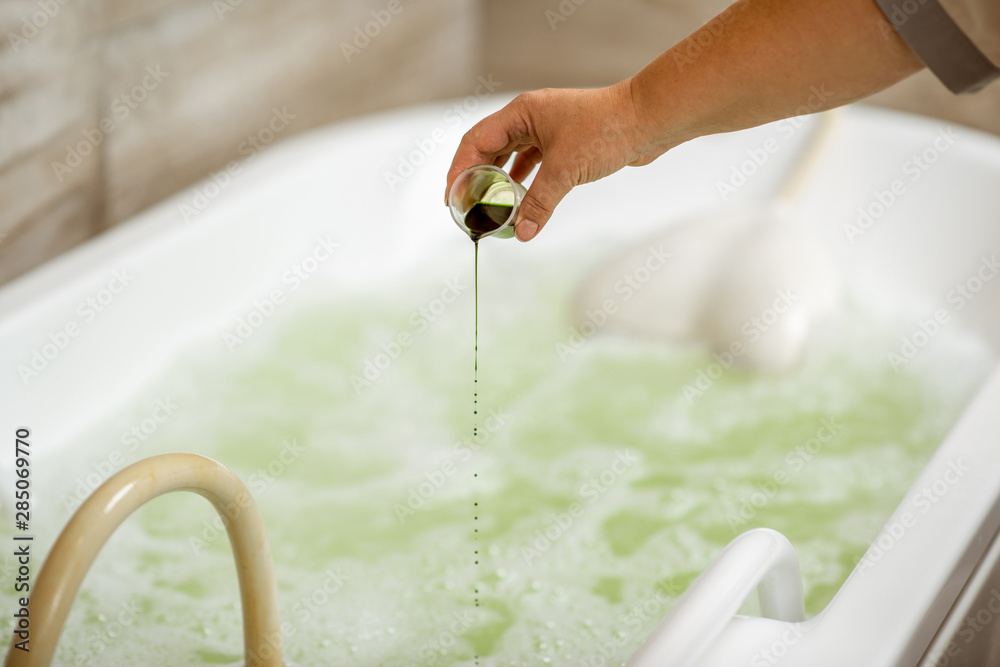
481	219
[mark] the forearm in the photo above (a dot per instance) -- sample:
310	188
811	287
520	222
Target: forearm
763	60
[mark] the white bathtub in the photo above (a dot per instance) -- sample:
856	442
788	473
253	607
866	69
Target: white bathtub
192	266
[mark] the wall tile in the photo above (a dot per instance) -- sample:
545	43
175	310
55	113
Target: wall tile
924	94
536	44
566	43
50	100
29	184
227	74
50	231
35	46
79	74
112	15
37	113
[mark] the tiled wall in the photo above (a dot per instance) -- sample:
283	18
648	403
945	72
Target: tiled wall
538	43
579	43
111	105
107	106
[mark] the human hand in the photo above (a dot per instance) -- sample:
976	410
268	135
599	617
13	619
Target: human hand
578	136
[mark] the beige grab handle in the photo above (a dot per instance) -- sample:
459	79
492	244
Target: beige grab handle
107	507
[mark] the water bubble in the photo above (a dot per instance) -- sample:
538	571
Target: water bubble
429	554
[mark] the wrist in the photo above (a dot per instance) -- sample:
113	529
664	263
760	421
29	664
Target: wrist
661	120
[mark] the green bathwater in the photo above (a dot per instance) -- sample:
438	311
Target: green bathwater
367	490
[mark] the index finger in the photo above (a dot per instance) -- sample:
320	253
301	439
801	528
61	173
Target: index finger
496	136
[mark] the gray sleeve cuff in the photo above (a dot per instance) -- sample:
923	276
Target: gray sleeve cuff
938	41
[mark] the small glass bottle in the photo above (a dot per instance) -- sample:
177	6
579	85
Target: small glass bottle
484	201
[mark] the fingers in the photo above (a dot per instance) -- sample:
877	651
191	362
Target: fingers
551	184
493	140
502	160
525	163
494	137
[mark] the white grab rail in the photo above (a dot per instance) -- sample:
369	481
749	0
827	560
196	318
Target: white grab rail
761	558
110	504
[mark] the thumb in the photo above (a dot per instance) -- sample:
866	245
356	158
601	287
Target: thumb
546	191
